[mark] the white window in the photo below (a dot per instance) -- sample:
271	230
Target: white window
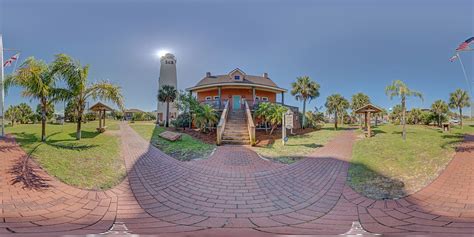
264	98
208	98
237	77
257	97
216	97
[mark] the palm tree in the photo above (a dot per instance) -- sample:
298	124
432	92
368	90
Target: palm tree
336	104
38	82
13	114
305	89
357	101
79	90
416	113
458	100
205	116
275	116
439	108
400	89
262	112
167	94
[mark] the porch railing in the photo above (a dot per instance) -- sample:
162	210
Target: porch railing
222	122
250	124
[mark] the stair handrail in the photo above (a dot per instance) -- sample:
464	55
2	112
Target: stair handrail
222	122
250	123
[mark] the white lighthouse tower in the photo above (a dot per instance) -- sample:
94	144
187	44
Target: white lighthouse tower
167	77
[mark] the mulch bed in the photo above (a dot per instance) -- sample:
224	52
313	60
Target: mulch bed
264	139
209	138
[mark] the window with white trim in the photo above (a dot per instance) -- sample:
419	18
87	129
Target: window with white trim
208	98
237	77
257	97
216	97
265	99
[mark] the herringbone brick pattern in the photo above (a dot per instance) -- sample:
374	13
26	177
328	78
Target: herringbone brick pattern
235	192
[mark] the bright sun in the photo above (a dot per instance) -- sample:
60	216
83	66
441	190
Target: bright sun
161	53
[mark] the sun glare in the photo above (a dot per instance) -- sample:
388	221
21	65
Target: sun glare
162	52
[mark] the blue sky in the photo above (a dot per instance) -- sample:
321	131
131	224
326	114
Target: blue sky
346	46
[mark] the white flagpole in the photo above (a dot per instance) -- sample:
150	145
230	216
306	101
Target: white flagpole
468	84
2	90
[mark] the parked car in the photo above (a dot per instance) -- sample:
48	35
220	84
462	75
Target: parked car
454	121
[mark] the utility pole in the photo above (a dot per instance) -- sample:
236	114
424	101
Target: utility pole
2	90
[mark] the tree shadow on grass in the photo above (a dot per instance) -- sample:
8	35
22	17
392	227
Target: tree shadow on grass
85	134
25	171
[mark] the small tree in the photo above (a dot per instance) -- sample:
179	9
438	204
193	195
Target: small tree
439	108
25	113
400	89
205	117
13	114
305	89
458	100
167	94
336	104
275	116
262	112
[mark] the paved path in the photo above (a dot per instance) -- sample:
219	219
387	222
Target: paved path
235	192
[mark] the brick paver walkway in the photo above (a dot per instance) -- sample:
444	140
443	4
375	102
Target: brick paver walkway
235	192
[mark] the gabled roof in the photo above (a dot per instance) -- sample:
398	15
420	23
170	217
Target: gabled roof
99	106
368	108
226	79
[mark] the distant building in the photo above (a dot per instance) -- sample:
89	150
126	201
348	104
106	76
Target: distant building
128	113
167	77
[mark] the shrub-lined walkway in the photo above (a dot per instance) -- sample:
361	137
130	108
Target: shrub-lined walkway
236	192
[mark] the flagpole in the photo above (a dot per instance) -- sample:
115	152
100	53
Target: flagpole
2	90
468	83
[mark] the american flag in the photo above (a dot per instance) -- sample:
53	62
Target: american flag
465	45
10	61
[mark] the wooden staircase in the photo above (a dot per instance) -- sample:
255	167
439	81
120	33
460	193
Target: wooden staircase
236	130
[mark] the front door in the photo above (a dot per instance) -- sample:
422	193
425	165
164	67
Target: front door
236	101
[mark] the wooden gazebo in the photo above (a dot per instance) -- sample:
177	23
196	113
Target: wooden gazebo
368	110
101	109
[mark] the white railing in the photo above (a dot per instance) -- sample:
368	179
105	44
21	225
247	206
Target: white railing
222	122
250	124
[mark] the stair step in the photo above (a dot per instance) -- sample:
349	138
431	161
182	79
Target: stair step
236	142
236	138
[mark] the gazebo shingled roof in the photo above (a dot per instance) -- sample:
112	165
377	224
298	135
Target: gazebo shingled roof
100	107
368	108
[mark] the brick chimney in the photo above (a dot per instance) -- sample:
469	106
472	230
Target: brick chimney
265	75
208	74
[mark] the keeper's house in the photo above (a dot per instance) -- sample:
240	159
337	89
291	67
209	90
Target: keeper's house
237	87
233	93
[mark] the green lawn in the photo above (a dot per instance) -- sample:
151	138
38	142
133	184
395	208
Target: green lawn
91	163
385	166
298	146
186	149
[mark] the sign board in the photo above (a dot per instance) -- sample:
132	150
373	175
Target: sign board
289	119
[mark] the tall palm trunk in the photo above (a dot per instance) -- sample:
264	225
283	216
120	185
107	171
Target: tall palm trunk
79	124
439	120
460	116
404	110
167	113
43	120
304	113
335	120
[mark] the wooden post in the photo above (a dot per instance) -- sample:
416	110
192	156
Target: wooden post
219	93
365	120
100	119
104	117
369	130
